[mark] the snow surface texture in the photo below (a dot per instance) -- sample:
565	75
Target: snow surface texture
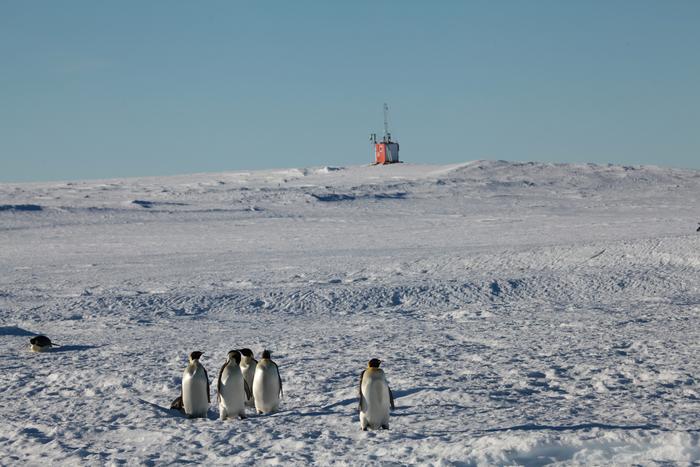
526	313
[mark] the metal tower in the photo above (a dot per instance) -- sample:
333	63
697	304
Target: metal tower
387	135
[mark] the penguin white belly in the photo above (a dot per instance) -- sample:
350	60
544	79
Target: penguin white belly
194	392
249	375
374	410
232	394
266	388
39	348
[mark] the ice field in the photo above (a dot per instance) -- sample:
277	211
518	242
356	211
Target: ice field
526	313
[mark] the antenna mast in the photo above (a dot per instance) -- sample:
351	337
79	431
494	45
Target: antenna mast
387	135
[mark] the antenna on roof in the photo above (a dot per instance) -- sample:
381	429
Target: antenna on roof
387	135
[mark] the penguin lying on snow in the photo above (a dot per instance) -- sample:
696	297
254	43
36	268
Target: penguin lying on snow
177	404
375	397
267	385
248	365
195	388
233	390
41	344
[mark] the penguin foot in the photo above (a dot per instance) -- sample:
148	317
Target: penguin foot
364	428
260	412
242	416
385	427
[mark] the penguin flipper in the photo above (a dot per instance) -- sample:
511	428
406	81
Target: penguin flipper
279	377
248	392
360	389
208	387
391	398
218	382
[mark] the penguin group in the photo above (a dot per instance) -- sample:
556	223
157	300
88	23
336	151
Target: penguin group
242	381
245	382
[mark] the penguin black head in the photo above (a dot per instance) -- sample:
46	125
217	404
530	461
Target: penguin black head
41	341
374	363
195	355
234	355
246	352
266	354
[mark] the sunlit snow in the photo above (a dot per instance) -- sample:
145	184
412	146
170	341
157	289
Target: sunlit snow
525	313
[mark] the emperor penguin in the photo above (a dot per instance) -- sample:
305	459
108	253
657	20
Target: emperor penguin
233	390
375	397
177	404
195	388
248	364
41	344
267	385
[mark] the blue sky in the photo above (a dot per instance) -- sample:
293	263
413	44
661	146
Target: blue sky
111	89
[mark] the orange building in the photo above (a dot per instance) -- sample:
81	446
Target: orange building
386	151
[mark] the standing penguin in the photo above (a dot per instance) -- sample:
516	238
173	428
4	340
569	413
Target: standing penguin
375	397
195	388
232	388
267	385
248	364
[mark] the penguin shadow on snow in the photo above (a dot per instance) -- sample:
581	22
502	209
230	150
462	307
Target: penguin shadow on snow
74	348
319	411
349	405
15	331
403	409
352	402
161	410
399	393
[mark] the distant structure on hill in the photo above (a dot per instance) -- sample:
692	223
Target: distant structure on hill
386	151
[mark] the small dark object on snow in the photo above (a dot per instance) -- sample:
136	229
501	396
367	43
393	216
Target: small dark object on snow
178	405
41	344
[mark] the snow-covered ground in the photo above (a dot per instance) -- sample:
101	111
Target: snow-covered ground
526	313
